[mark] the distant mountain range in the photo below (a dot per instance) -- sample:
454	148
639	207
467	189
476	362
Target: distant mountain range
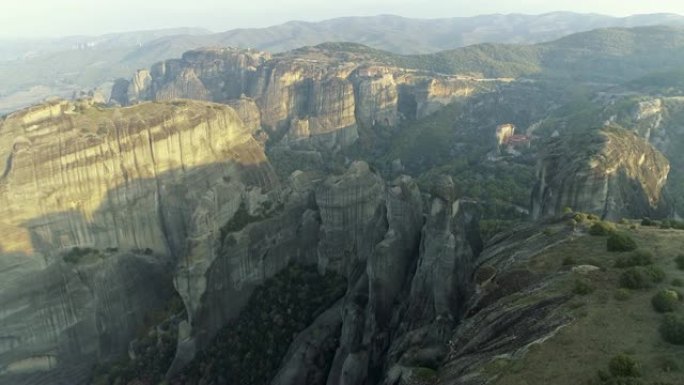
31	70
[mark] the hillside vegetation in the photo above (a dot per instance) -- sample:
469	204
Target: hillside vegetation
613	55
615	321
609	55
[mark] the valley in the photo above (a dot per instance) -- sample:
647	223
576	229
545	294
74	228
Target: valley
340	214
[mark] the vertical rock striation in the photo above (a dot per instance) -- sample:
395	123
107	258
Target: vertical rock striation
613	174
150	177
314	95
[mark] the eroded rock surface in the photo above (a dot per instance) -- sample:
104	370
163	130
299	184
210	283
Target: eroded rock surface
614	174
149	177
314	95
179	199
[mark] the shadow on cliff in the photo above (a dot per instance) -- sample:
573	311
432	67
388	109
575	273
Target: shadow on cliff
609	172
94	280
148	213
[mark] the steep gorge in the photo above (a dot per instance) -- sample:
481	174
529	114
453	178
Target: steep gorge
179	197
112	213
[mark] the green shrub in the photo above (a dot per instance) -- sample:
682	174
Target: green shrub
622	294
602	228
640	257
634	278
679	260
582	287
672	224
567	210
580	217
655	274
646	221
570	260
623	365
677	282
250	348
672	329
620	242
641	277
679	225
665	301
593	217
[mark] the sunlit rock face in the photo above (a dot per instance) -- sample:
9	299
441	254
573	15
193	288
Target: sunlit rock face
121	181
77	175
613	174
177	199
313	95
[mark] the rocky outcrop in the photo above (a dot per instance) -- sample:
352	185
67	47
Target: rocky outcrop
314	95
189	184
378	97
351	208
404	276
302	364
261	235
209	74
77	175
400	298
178	199
248	111
503	133
157	177
432	93
59	320
513	306
613	174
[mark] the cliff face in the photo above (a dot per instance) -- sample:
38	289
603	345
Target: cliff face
614	174
148	177
60	319
114	212
313	95
78	175
188	183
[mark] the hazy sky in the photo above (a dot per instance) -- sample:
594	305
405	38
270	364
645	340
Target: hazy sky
38	18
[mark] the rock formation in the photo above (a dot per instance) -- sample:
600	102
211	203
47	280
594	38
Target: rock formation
75	174
148	177
503	133
314	95
613	173
111	213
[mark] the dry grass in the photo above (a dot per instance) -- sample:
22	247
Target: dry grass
603	326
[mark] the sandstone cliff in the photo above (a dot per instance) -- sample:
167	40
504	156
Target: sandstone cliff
313	95
178	200
75	174
613	173
148	177
114	212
